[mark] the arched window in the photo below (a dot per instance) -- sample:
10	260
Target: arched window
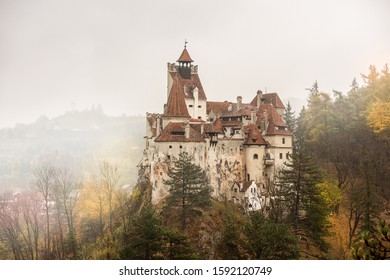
255	156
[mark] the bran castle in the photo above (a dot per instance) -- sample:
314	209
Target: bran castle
240	145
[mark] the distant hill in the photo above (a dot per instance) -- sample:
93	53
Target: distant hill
76	139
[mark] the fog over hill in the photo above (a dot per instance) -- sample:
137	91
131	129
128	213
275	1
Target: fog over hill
77	140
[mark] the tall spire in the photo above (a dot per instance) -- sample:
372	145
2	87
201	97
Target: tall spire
185	63
185	56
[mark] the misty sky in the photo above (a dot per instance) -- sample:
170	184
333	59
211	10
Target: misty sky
61	54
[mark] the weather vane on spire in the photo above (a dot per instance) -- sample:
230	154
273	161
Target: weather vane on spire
185	43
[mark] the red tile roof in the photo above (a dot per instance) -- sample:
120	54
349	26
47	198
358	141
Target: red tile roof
175	132
270	98
215	127
176	105
245	110
217	107
254	136
275	121
245	186
186	86
185	57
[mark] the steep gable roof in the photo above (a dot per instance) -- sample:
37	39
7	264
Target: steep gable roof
186	86
270	98
276	125
176	105
254	136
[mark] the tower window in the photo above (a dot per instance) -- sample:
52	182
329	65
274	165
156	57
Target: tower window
280	155
190	106
170	146
283	140
199	106
180	146
255	156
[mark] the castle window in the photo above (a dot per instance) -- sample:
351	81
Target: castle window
199	106
169	157
180	146
287	155
199	117
190	106
283	140
255	156
170	146
280	156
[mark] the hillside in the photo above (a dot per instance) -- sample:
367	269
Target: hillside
76	138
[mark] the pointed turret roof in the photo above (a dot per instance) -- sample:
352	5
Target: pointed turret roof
176	105
185	56
254	136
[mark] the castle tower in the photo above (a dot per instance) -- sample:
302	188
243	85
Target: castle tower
185	64
254	152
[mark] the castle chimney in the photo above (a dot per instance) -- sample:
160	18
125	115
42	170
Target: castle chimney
187	130
253	116
158	120
201	129
259	98
230	107
239	102
265	115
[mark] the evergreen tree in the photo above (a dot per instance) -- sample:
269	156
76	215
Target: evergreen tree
268	240
306	208
189	188
145	238
230	245
176	246
289	117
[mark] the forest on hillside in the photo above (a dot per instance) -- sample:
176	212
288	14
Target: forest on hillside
331	201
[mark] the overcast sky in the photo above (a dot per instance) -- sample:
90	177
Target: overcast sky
114	52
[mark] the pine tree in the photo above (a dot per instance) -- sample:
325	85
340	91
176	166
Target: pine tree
145	238
230	245
289	117
306	208
268	240
188	188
